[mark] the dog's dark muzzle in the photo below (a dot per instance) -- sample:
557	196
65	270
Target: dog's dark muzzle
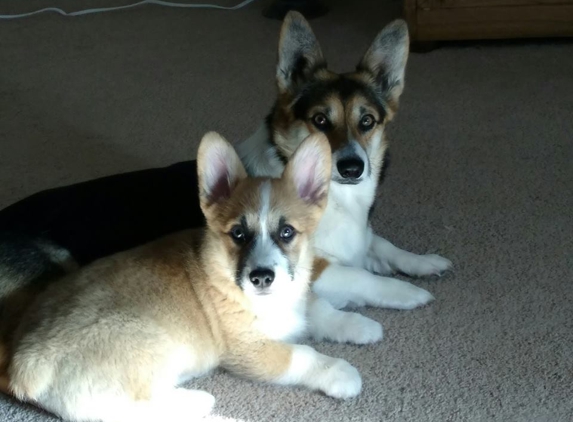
350	169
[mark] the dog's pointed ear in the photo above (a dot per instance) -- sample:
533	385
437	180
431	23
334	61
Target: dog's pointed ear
309	169
386	58
299	54
219	169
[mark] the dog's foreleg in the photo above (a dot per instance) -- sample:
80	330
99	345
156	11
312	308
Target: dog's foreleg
328	323
385	258
343	286
286	364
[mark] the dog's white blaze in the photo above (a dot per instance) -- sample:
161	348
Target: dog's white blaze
266	254
265	202
264	210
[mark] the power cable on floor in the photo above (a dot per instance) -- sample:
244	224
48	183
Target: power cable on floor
128	6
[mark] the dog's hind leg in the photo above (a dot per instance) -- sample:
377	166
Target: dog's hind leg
328	323
343	286
384	255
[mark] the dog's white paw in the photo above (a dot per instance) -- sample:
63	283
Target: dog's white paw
398	294
422	265
358	329
341	380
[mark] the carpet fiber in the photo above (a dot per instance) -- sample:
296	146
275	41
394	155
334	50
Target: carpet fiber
482	153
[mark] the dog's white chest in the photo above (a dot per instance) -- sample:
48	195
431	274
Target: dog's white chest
279	318
344	233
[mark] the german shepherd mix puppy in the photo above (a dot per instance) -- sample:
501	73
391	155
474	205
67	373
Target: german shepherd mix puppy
352	109
114	340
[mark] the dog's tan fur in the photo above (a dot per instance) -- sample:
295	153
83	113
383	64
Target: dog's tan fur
318	267
132	323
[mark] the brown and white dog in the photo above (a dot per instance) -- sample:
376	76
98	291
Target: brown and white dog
352	110
112	341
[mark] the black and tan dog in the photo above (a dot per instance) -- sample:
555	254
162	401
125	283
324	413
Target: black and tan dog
352	109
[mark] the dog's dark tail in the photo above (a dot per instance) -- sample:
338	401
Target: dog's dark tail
27	261
27	266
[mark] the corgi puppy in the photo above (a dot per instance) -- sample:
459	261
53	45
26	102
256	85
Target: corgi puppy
113	341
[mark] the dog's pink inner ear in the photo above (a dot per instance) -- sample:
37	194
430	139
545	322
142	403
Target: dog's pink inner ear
221	189
309	176
218	177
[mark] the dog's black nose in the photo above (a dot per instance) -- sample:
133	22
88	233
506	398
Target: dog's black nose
262	277
350	168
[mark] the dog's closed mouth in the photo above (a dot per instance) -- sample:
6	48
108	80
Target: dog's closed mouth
347	181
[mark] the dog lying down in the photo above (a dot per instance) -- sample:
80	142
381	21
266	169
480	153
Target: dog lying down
112	341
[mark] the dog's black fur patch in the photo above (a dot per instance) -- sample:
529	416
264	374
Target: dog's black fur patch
100	217
268	122
245	251
315	92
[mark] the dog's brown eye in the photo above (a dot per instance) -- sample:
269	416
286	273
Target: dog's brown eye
320	121
287	233
367	122
238	234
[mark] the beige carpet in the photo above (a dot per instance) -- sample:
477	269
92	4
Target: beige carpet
482	173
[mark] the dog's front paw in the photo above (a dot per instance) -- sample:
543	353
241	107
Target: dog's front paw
398	294
358	329
422	265
341	380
